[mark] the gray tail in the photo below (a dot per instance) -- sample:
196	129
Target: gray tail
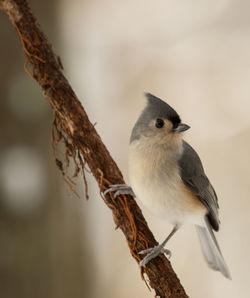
211	250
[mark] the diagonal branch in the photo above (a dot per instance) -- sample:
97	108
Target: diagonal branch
83	143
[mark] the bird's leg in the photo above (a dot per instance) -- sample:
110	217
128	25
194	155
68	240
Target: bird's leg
153	252
120	189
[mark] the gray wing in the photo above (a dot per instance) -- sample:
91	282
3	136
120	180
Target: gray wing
194	177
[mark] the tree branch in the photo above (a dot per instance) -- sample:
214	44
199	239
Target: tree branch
85	146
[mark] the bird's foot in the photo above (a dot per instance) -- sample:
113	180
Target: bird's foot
153	252
120	189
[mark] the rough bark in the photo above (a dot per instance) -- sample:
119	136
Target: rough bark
84	145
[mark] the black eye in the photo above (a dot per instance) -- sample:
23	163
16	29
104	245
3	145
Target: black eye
159	123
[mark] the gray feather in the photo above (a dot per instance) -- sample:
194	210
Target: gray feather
194	177
155	108
211	250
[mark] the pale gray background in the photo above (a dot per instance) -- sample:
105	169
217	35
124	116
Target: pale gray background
195	54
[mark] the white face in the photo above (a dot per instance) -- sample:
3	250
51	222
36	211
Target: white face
161	125
160	131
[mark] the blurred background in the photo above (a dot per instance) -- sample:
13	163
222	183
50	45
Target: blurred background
195	55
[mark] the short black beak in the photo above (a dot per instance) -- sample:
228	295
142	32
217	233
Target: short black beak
181	127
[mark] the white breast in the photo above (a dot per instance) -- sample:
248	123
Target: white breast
156	181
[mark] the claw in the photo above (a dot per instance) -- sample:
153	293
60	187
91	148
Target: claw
153	252
145	251
167	252
120	189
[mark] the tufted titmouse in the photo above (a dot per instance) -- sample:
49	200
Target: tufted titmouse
166	174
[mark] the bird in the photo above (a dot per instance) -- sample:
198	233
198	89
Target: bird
167	176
